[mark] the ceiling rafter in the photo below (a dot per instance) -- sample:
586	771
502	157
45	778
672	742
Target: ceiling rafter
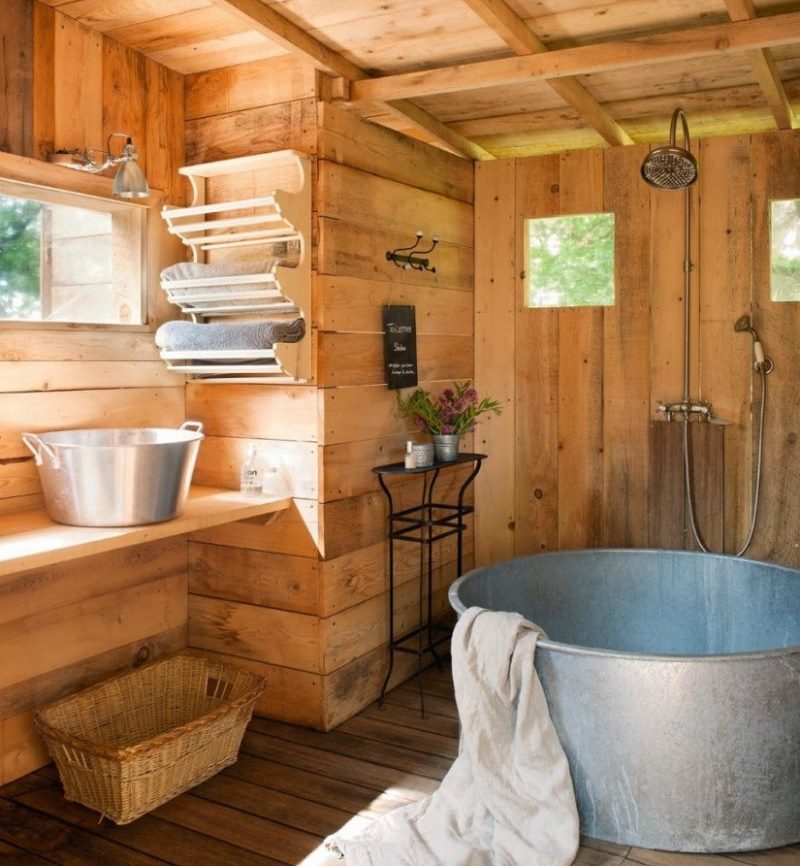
765	70
294	39
519	37
740	36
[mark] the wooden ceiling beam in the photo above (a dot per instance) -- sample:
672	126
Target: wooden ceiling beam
519	37
765	70
739	36
421	119
265	20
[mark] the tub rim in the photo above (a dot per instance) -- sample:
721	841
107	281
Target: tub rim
576	649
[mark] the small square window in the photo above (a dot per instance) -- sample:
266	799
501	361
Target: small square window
570	261
68	257
785	250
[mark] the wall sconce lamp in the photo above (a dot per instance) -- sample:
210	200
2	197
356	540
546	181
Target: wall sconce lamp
129	181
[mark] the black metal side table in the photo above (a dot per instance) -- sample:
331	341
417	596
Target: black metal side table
424	524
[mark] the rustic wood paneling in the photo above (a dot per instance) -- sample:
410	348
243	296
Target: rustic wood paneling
124	98
44	36
249	85
16	78
22	376
626	386
78	99
667	209
706	447
255	577
535	457
495	354
255	411
252	130
776	175
294	532
580	372
289	468
358	359
351	304
666	503
86	628
725	277
164	143
67	625
619	478
346	468
291	695
250	631
353	196
350	250
361	574
346	139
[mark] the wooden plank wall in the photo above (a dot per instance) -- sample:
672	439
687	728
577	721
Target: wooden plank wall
376	189
586	459
254	589
304	600
62	627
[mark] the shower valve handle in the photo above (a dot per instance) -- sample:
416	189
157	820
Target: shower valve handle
686	408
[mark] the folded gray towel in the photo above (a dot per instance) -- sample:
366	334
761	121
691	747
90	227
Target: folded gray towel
182	336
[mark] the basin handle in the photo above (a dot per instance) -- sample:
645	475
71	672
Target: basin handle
193	426
37	446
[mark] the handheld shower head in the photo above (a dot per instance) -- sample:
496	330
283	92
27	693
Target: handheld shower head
760	361
670	166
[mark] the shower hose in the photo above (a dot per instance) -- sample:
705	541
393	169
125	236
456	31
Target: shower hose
763	367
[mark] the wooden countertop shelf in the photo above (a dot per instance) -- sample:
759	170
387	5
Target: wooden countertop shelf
29	539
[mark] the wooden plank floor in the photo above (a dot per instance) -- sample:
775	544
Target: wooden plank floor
289	789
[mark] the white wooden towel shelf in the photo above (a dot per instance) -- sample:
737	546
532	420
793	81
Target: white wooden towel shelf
275	219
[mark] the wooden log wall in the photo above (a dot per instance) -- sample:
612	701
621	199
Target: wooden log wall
62	85
581	457
304	600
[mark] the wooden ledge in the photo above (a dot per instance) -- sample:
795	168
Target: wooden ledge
29	539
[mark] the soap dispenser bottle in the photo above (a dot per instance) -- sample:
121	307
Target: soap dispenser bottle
252	481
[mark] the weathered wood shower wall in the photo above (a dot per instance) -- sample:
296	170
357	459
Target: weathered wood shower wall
581	457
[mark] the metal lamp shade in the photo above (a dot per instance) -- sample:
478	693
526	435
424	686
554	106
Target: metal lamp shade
129	181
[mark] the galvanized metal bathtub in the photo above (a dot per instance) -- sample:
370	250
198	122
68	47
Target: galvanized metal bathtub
673	680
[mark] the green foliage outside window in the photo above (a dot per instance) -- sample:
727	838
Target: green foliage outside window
20	228
785	252
570	261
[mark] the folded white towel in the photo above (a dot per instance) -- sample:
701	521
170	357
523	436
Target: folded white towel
508	799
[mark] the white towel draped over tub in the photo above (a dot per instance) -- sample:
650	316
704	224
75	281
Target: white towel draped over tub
508	798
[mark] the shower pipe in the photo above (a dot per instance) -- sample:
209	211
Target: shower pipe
673	167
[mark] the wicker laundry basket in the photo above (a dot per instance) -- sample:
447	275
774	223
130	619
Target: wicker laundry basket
134	741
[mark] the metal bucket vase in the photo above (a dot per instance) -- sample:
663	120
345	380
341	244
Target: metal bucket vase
445	447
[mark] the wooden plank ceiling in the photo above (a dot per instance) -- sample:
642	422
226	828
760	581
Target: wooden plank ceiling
499	78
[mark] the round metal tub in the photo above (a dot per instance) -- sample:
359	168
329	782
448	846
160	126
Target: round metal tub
116	476
673	680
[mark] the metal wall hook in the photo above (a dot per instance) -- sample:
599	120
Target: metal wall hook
403	258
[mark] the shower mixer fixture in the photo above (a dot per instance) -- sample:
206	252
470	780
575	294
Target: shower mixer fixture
686	408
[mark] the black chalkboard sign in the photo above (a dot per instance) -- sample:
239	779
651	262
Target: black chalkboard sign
400	346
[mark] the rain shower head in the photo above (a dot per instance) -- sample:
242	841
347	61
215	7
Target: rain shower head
670	166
